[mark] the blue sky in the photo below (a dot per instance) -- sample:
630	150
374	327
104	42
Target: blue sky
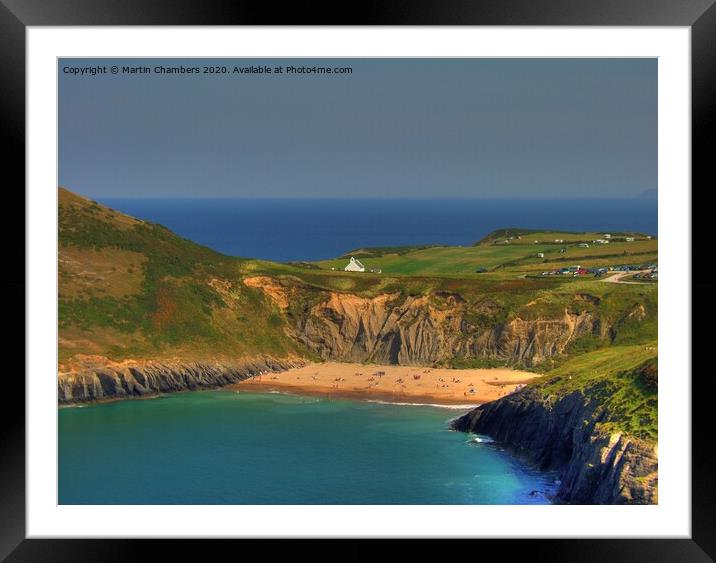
392	128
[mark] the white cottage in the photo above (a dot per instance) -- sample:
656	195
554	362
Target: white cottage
354	266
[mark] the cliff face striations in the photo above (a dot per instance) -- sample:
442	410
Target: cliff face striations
597	466
100	379
431	329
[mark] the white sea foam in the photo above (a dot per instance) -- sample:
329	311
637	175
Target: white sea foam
405	404
483	439
453	407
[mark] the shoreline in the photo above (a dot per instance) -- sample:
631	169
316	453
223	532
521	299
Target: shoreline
373	397
392	384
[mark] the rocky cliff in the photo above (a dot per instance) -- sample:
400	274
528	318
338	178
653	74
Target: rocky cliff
597	466
437	328
95	379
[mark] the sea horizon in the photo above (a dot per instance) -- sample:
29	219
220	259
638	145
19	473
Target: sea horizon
306	229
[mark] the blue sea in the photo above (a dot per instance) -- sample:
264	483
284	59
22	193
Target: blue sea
224	447
313	229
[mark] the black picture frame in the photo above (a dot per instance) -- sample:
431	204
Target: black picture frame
16	15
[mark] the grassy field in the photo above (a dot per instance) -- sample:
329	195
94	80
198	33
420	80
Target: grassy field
533	236
517	258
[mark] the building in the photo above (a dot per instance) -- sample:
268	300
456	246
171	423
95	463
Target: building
354	266
607	235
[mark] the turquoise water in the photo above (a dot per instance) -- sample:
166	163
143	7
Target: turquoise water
222	447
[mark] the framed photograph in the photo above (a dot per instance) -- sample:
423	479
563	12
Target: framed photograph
410	274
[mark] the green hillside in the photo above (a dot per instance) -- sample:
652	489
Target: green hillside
133	288
623	379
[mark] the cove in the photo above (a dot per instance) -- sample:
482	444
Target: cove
224	447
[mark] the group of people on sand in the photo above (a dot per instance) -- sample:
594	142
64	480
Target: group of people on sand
445	384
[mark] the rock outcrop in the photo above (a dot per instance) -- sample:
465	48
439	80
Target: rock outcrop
102	380
427	330
596	466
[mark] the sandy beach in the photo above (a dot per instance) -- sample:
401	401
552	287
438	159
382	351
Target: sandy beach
393	383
